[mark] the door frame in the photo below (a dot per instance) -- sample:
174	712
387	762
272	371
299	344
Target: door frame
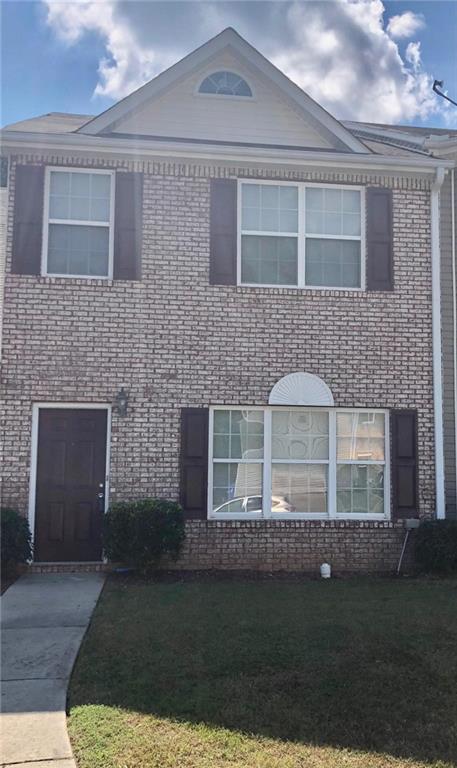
36	407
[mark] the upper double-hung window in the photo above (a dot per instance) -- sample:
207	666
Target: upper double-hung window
301	235
78	226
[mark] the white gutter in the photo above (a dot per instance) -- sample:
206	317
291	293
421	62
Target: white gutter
141	148
436	333
441	144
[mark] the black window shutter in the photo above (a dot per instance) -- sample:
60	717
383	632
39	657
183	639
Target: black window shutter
223	232
128	219
194	462
379	240
404	464
28	219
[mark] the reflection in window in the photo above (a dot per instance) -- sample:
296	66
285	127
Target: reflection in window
300	487
301	235
300	436
269	226
360	488
326	463
360	436
330	214
237	461
361	457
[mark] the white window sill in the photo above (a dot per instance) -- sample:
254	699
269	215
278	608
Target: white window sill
368	517
78	277
357	289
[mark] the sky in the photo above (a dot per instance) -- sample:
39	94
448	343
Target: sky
361	59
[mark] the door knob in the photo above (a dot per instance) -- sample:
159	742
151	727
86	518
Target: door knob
101	498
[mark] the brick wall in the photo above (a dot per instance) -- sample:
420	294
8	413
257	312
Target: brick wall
174	341
293	545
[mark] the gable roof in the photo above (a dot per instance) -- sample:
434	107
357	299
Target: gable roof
312	112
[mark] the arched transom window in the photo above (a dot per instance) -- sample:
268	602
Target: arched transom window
225	83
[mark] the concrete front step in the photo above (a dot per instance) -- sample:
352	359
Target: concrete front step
83	567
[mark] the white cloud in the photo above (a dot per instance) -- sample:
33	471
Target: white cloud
364	77
127	64
413	55
339	52
405	24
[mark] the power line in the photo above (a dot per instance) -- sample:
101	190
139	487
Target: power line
436	87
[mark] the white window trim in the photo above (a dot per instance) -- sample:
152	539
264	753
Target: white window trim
77	222
210	72
301	235
332	463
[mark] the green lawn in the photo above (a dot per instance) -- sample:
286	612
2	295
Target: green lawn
358	673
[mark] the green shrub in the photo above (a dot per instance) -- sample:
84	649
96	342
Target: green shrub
139	533
436	546
16	546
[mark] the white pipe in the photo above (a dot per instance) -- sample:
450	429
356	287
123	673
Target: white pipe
405	541
454	313
436	333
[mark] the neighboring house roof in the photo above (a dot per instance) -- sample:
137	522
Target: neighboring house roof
411	138
414	129
391	149
53	122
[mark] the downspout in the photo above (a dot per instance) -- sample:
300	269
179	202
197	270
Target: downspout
454	313
436	335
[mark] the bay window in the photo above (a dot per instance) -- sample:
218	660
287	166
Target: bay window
301	235
298	462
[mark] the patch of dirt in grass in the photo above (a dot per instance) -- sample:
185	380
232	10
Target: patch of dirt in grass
105	737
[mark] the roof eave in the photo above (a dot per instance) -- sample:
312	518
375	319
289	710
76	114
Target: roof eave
137	149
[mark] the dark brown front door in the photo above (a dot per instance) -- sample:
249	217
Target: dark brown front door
71	473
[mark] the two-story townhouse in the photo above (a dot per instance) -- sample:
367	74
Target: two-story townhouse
218	293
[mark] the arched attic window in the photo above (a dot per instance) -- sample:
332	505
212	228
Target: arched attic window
225	83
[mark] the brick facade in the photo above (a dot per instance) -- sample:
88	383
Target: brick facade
174	341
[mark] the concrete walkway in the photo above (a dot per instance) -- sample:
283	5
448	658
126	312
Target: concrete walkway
44	618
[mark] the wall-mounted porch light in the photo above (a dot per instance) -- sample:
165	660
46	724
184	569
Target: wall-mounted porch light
121	402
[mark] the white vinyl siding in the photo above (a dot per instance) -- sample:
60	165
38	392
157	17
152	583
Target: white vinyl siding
182	112
298	463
